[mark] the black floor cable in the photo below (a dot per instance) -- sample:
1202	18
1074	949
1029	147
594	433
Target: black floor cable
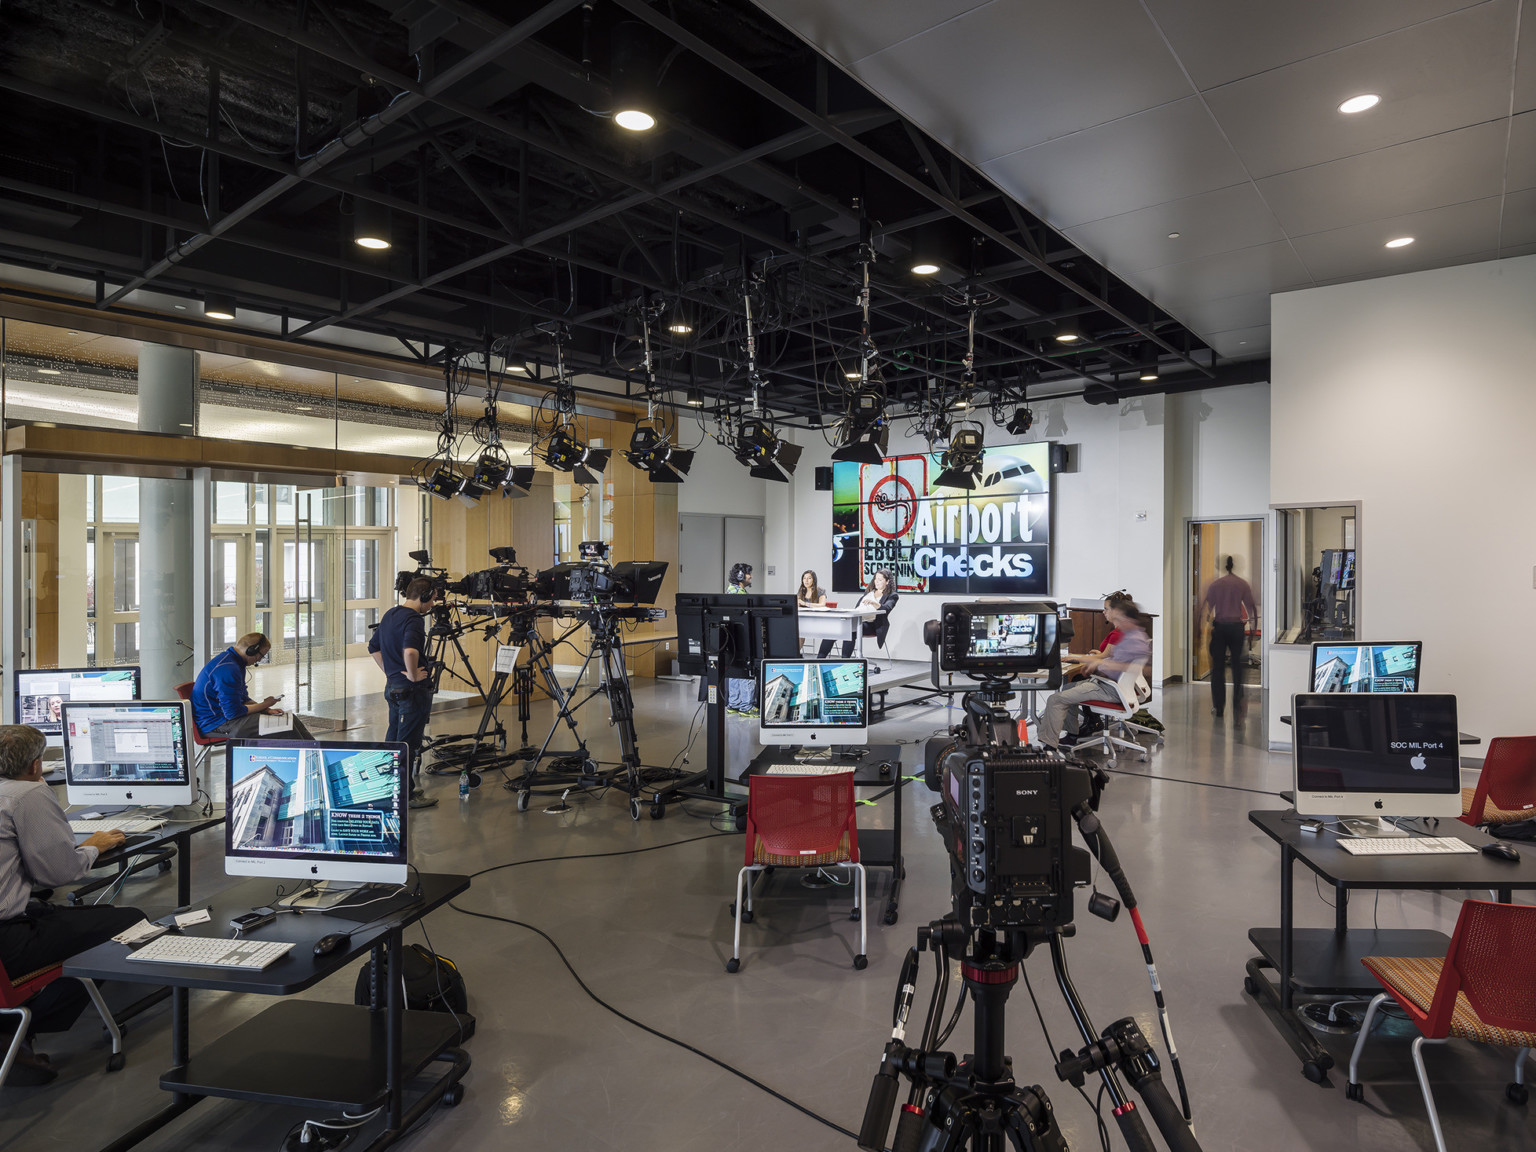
1197	783
683	1044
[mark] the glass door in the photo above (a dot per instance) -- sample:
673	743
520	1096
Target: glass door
117	597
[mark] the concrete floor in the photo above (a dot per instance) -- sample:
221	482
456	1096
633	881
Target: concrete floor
649	933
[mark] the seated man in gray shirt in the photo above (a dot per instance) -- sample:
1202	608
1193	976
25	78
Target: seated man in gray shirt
1132	650
37	850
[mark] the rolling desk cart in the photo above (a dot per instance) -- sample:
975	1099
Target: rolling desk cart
304	1053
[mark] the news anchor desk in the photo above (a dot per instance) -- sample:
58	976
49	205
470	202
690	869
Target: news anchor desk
834	624
304	1053
1326	961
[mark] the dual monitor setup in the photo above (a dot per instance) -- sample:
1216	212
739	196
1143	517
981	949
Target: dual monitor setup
297	809
1367	742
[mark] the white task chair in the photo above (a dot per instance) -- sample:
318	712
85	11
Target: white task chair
1132	691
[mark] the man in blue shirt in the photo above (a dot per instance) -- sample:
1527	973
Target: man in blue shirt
399	647
222	706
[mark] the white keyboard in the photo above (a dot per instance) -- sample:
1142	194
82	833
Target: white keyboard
1405	846
211	951
132	824
811	769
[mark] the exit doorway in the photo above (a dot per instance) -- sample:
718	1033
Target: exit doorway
1211	543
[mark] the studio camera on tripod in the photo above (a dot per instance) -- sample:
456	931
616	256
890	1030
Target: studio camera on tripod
506	583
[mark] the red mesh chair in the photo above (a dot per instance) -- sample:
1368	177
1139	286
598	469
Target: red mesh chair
1484	990
14	995
799	822
206	743
1506	787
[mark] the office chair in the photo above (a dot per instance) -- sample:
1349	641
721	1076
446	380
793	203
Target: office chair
206	744
14	994
1131	692
1484	990
879	628
799	822
1506	787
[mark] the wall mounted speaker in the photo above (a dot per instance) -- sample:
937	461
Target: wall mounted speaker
1064	457
824	479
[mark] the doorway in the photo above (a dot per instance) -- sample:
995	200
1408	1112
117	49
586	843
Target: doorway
1211	542
709	545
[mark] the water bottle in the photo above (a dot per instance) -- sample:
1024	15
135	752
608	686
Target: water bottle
464	785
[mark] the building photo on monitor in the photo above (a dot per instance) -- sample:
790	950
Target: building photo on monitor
813	693
315	800
1366	668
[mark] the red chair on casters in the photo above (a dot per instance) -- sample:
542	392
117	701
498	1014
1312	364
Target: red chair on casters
1506	787
14	995
1484	990
206	743
799	822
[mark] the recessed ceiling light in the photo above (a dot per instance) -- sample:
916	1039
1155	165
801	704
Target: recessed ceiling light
924	269
517	368
1067	337
377	243
1400	242
1242	341
47	371
634	119
72	332
1174	235
852	375
179	307
680	327
1359	103
303	408
186	425
1149	374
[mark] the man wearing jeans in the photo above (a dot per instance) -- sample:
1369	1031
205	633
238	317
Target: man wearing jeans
398	647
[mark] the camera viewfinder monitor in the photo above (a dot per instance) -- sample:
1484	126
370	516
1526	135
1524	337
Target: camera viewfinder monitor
317	810
42	692
817	702
999	638
1340	667
127	752
1376	754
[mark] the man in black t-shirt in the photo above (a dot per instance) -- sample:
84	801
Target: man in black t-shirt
399	647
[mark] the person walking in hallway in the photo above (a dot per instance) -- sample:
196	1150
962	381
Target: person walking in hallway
1226	600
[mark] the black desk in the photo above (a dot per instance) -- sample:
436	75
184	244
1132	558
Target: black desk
177	832
878	847
305	1053
1326	962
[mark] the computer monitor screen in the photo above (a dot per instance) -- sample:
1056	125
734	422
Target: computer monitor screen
41	693
813	702
127	752
317	810
1376	755
1340	667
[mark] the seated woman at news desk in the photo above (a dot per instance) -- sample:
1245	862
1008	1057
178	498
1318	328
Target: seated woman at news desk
810	594
881	596
1131	651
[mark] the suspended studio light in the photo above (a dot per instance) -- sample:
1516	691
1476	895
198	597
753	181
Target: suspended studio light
769	458
1022	421
565	453
865	432
962	462
651	452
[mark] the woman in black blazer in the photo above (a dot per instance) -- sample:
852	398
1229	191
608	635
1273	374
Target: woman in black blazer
882	596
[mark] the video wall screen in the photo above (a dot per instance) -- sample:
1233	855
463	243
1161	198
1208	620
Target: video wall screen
992	539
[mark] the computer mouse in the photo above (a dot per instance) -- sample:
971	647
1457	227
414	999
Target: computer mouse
328	944
1501	850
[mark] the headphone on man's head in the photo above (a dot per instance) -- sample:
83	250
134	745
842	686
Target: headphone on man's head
256	649
738	571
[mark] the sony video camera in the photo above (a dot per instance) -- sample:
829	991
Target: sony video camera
593	580
424	568
507	583
1006	811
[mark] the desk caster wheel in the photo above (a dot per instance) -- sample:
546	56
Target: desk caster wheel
1250	986
658	810
1517	1094
634	807
452	1095
733	965
890	916
861	962
115	1062
1355	1092
522	801
856	915
1314	1071
164	867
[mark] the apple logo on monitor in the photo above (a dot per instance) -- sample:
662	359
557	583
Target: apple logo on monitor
1418	762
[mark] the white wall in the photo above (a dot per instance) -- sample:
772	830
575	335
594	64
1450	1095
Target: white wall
717	483
1416	395
1216	466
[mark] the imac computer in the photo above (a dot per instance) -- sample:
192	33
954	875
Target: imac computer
1344	667
42	692
127	752
817	702
1376	754
317	810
